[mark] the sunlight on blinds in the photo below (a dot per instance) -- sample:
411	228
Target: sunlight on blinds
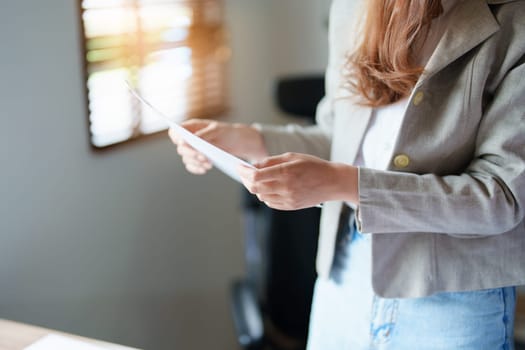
173	51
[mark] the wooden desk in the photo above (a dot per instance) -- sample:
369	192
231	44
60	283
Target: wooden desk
17	336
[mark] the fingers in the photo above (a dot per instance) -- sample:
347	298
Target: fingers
277	181
275	160
197	169
185	150
270	169
271	200
266	191
175	138
196	166
194	161
194	125
209	133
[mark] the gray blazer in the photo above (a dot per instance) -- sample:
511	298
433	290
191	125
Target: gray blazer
448	213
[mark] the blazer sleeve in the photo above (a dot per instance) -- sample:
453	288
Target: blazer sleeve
488	198
314	139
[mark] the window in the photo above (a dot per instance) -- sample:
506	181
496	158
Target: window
173	51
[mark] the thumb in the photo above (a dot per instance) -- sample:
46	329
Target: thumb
194	125
209	132
274	160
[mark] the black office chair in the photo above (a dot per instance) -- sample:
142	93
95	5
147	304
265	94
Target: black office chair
271	305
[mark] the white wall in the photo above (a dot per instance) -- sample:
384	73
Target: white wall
124	245
299	36
298	40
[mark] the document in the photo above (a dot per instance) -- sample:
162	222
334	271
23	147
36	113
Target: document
222	160
58	342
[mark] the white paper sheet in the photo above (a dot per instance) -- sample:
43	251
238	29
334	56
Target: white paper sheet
222	160
58	342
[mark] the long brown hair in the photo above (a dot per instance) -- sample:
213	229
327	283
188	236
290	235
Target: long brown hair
382	70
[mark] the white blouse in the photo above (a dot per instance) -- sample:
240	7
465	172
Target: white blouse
379	140
385	123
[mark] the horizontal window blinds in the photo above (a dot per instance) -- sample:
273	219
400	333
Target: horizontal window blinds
174	52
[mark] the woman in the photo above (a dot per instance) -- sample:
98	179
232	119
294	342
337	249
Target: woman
422	230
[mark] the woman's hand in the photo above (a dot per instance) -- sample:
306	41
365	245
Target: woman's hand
295	181
241	140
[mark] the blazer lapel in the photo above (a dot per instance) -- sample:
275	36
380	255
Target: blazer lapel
471	22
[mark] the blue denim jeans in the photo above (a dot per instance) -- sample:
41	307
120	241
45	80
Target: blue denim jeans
347	315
